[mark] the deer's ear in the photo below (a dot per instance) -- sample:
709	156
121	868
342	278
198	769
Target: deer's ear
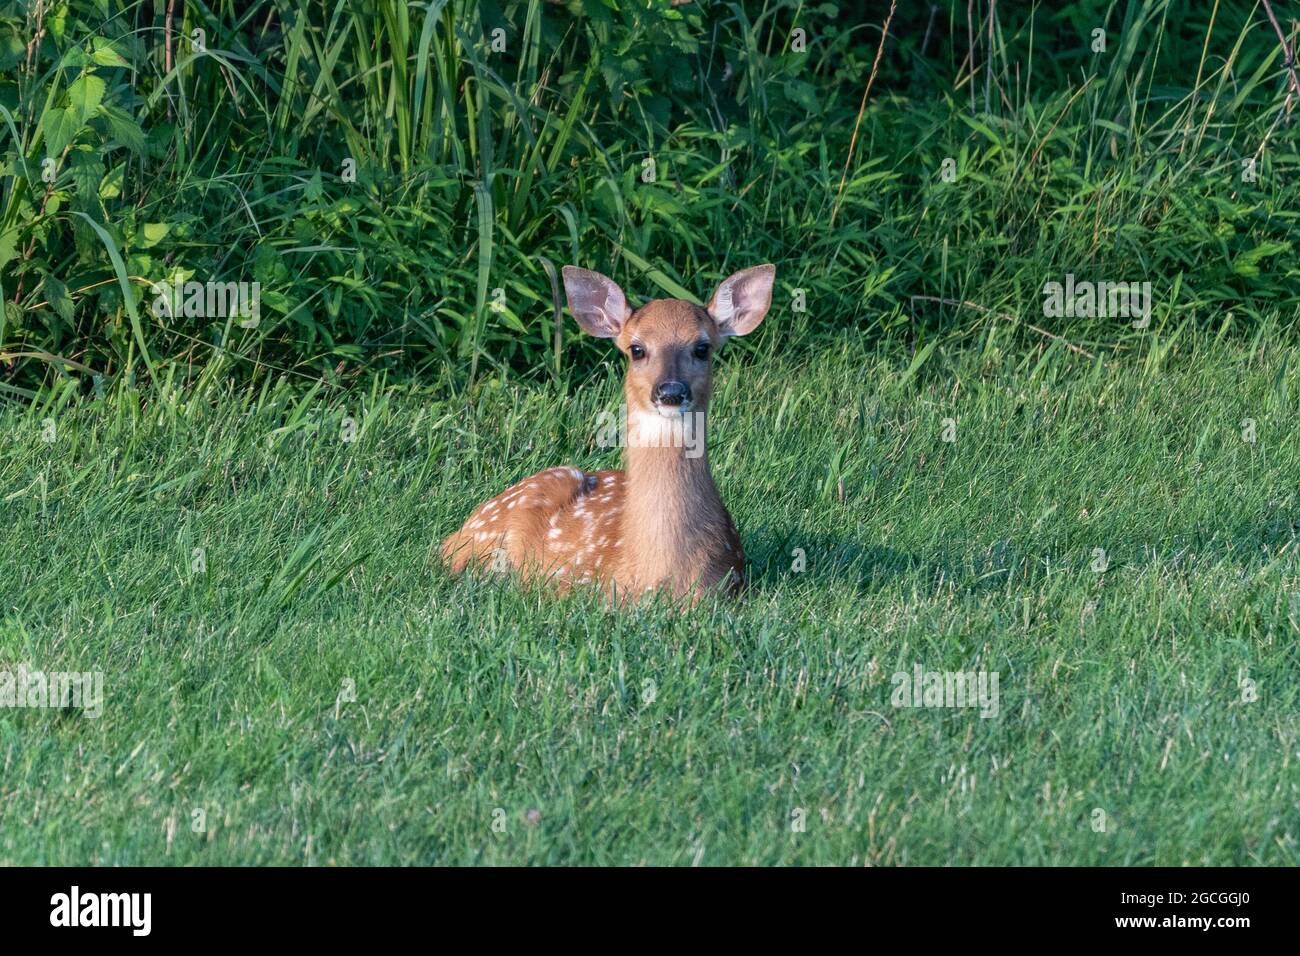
742	300
596	302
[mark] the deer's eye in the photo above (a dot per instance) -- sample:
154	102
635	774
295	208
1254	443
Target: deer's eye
701	351
636	351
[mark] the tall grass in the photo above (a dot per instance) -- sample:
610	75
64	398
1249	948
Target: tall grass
666	145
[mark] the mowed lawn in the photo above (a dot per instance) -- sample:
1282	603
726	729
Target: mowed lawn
282	653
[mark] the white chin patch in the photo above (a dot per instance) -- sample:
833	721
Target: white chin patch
656	429
668	411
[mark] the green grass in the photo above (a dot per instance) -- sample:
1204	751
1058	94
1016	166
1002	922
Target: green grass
649	736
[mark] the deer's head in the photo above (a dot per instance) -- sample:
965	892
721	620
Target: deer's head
669	343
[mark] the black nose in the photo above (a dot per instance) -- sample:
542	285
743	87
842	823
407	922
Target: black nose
672	393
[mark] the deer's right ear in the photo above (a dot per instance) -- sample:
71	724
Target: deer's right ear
596	302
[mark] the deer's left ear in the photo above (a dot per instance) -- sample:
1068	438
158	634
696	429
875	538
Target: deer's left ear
742	300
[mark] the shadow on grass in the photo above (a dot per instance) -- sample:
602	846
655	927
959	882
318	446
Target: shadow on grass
777	556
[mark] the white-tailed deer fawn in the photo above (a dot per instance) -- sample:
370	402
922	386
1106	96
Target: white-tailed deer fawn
661	523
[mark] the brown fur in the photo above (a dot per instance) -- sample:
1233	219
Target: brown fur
659	525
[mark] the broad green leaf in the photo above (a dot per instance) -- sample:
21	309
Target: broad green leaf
313	190
84	96
8	246
75	58
125	129
87	171
56	293
60	128
105	55
111	186
151	234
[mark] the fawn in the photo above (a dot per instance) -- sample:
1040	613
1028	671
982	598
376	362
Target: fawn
661	524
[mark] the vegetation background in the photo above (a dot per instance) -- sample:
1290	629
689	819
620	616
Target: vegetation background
492	138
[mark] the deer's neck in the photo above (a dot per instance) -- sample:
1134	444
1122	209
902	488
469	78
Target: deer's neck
672	513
